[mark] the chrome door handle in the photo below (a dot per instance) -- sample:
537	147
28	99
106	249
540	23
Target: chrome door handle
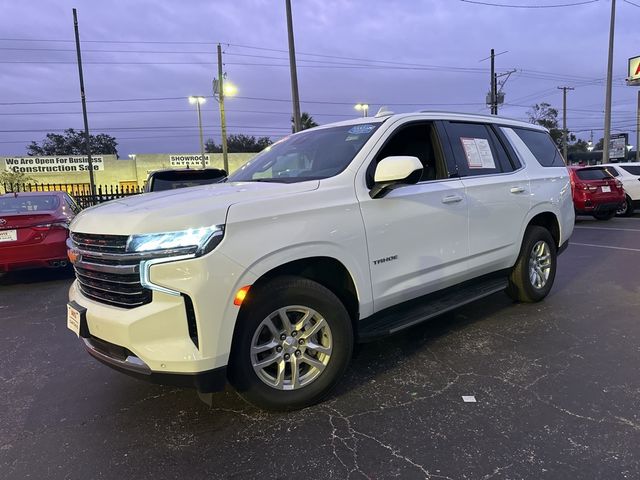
517	189
452	199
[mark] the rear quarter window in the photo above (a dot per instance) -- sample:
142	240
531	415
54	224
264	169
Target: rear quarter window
632	169
542	147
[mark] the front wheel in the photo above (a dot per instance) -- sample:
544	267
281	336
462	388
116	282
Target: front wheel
293	342
533	274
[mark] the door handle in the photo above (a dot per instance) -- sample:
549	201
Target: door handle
452	199
517	189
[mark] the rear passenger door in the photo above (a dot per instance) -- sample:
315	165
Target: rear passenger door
497	191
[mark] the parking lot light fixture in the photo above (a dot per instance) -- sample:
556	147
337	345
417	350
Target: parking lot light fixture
363	107
198	100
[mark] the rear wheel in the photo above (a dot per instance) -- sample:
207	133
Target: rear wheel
626	209
533	274
293	343
604	215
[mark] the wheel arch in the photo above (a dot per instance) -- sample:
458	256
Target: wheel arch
549	221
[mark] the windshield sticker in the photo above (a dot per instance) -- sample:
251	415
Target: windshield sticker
351	138
360	129
478	152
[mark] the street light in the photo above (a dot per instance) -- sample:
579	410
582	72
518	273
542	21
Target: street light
364	107
198	100
590	145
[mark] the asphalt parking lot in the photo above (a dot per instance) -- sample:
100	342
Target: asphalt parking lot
557	389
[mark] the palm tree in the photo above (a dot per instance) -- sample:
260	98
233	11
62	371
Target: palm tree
306	121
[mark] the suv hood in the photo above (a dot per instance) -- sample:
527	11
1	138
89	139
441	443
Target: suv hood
179	209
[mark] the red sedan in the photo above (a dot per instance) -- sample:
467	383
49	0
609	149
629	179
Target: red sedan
595	192
34	227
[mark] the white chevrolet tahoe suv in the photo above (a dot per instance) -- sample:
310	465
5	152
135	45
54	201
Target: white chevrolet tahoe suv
335	235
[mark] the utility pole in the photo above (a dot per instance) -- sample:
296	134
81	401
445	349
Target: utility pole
223	121
564	120
494	103
607	105
87	143
297	124
638	131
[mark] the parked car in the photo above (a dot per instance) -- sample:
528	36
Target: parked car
338	234
596	192
34	227
171	179
629	174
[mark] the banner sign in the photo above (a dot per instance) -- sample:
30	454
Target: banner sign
190	160
52	164
634	71
618	146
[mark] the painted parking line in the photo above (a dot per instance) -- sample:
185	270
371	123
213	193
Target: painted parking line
609	228
606	246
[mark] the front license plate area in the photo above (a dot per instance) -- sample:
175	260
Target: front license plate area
77	319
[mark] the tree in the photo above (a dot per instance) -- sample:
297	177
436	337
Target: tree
306	121
579	146
10	177
72	143
545	115
600	144
239	143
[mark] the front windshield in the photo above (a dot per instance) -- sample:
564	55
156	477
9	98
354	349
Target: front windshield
312	155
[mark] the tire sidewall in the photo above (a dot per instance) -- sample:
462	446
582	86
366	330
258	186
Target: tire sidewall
278	293
534	235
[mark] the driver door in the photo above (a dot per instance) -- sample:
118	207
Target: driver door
417	235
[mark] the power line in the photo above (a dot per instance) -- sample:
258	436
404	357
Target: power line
559	5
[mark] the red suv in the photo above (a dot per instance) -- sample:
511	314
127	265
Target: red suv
34	227
595	192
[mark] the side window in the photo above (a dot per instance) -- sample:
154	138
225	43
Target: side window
542	147
476	149
72	205
632	169
416	140
613	172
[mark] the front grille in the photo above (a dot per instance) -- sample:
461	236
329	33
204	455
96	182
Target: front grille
106	273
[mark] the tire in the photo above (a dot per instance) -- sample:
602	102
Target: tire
260	324
627	208
522	287
604	215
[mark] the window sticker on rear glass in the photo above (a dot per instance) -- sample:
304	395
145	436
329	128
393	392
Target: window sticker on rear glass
478	152
360	129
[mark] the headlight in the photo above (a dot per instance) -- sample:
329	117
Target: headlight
192	241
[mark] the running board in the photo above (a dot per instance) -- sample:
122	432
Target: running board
413	312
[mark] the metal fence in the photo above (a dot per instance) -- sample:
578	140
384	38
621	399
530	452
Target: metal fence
81	192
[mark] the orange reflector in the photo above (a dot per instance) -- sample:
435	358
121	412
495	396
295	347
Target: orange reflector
241	295
73	255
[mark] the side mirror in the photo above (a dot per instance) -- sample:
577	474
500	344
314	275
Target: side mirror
393	172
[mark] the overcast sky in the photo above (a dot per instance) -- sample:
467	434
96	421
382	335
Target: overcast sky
549	47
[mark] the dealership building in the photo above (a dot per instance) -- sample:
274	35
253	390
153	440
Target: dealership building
109	170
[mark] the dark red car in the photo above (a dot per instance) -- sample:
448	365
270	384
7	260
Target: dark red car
34	227
595	192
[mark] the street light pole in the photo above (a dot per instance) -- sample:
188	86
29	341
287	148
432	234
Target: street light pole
607	105
362	107
198	101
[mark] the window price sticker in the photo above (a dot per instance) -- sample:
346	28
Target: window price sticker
478	152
